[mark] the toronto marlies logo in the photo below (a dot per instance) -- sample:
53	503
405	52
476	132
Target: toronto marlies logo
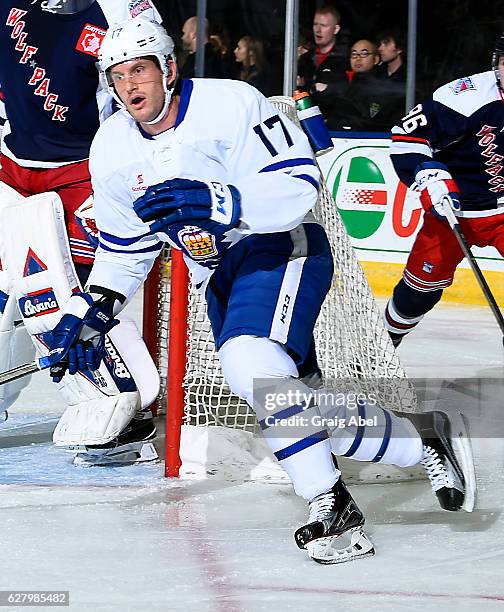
199	243
38	303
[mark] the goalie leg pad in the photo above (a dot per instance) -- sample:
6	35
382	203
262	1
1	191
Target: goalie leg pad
15	345
97	420
101	403
130	348
38	259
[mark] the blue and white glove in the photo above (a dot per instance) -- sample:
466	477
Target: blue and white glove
436	185
178	201
69	348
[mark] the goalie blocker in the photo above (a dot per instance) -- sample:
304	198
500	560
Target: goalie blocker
38	275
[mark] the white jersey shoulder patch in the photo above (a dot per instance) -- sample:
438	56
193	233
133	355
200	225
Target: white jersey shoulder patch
467	94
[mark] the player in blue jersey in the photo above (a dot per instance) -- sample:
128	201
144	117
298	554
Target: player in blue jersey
450	145
211	167
54	104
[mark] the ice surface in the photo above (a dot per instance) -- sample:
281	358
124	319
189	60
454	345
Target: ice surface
127	539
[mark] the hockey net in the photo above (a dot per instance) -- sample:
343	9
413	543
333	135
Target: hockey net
352	344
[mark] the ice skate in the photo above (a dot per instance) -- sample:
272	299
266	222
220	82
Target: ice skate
133	445
334	532
447	459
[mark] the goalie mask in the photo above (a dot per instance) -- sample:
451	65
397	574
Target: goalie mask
66	7
497	54
133	39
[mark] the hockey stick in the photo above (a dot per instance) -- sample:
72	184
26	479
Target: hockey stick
487	292
19	372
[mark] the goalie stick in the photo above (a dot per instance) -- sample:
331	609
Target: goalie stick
461	239
19	372
24	370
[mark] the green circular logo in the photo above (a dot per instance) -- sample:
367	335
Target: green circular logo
360	193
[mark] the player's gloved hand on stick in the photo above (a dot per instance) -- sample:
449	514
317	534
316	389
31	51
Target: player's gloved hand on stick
73	348
180	200
435	183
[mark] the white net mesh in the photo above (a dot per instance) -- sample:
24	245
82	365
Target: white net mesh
352	344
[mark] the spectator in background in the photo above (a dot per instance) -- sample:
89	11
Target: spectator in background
324	64
304	45
249	53
392	50
213	67
221	42
363	58
368	102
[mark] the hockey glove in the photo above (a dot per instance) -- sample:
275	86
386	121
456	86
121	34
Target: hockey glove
178	201
435	182
73	348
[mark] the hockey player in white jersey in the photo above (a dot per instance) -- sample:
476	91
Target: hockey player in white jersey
214	169
54	104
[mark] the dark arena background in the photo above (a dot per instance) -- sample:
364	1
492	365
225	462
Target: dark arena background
454	37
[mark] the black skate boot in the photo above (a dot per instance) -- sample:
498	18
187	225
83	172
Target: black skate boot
447	459
132	445
334	532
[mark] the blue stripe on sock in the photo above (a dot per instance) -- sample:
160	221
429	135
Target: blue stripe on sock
386	437
300	445
360	431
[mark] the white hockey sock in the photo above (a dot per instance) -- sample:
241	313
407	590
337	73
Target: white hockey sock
285	411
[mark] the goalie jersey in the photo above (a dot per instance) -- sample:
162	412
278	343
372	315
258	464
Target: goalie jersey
225	131
49	79
462	126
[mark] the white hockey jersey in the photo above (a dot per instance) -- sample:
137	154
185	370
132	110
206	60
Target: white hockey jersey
225	131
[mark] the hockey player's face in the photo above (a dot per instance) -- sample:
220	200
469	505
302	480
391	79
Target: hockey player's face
139	84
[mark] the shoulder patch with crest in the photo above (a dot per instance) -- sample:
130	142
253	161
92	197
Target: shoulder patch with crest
464	84
139	6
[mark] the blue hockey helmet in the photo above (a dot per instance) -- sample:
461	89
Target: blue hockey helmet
66	7
498	52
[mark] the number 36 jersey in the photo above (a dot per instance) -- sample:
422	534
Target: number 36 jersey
225	131
462	126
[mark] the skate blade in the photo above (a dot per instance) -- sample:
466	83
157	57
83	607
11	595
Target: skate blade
463	450
127	454
328	551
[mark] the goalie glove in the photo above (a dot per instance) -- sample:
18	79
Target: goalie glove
178	201
78	340
435	183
